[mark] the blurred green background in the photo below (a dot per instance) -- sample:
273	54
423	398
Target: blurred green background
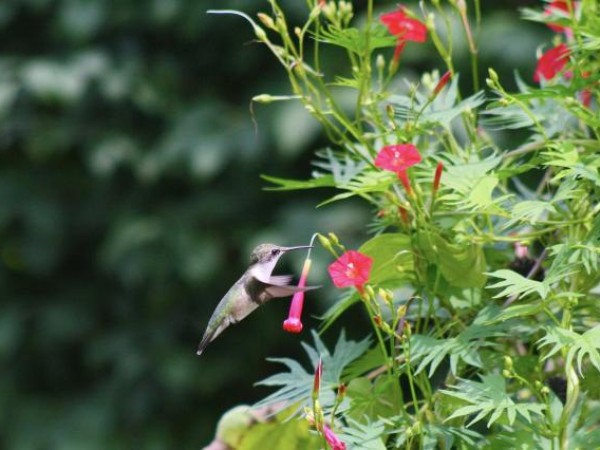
130	200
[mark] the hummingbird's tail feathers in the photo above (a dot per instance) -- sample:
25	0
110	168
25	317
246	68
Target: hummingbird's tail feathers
211	333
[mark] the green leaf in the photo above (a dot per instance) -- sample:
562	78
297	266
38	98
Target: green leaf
370	400
463	264
523	310
358	41
366	435
579	345
295	385
429	351
529	212
516	284
392	258
489	397
284	184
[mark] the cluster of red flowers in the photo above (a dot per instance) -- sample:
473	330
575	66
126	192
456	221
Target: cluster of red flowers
553	61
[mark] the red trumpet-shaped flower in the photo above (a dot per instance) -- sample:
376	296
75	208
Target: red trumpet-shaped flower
351	269
551	62
404	28
293	324
398	158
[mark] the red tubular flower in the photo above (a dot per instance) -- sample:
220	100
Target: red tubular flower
351	269
557	7
437	177
443	82
551	62
398	158
293	323
334	442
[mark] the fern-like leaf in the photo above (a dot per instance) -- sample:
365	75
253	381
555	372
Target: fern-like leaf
489	397
579	345
517	285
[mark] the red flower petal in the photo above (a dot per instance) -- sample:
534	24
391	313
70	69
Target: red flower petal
397	158
551	62
404	27
557	7
351	269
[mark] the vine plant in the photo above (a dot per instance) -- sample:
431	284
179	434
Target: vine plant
481	288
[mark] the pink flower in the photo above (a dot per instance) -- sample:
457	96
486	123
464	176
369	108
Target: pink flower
293	324
404	28
335	443
560	7
551	62
398	158
351	269
443	82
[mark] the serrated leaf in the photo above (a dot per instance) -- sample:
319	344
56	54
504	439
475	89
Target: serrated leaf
489	397
357	41
295	385
579	345
430	352
528	309
516	284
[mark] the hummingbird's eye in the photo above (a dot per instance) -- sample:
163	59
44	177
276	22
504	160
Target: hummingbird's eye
275	252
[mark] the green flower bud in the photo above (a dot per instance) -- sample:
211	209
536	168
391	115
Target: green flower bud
266	21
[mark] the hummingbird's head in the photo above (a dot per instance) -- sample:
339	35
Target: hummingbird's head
266	256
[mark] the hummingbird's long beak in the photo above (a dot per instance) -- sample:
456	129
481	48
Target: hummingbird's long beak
287	249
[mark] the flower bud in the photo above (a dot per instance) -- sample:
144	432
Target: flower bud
508	362
260	34
266	21
263	98
507	373
493	75
333	238
380	63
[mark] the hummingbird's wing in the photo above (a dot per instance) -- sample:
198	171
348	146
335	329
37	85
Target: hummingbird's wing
286	290
279	280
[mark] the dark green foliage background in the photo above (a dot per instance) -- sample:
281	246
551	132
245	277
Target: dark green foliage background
130	199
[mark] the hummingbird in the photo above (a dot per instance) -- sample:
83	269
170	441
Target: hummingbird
254	288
